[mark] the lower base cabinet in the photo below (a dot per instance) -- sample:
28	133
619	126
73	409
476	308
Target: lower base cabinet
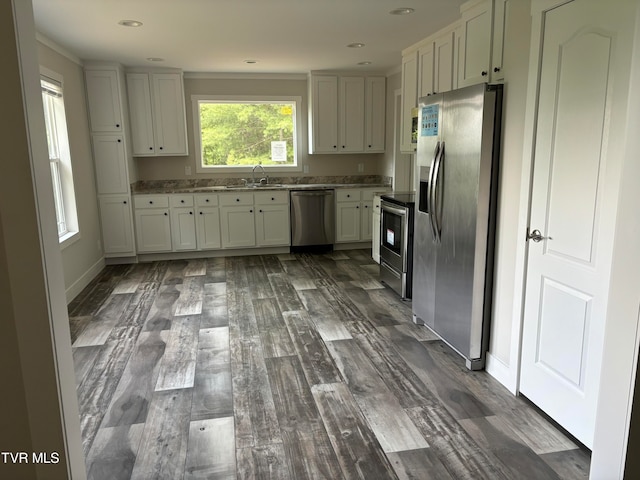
153	230
117	225
237	225
208	228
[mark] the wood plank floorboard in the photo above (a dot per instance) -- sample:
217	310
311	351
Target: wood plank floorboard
287	367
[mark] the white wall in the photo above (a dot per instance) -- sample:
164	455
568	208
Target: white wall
83	259
503	345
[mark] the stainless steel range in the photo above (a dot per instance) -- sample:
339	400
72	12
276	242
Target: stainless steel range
396	241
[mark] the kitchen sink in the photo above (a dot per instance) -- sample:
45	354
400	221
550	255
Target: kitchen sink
256	185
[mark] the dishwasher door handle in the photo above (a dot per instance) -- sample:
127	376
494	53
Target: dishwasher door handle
314	193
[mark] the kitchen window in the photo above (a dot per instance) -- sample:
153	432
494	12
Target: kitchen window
59	158
236	133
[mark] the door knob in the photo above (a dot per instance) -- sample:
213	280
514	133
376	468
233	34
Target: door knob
536	236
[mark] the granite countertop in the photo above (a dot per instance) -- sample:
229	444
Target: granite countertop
276	183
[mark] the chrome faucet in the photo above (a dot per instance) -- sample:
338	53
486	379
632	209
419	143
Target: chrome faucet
253	175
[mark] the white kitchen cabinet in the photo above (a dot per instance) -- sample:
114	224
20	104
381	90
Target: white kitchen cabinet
443	72
237	220
409	100
375	114
153	224
425	70
501	10
474	59
106	110
354	215
323	103
104	99
347	113
272	218
183	222
351	114
115	217
207	222
157	111
111	164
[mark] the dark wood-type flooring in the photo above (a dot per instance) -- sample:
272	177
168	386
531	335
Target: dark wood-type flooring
288	367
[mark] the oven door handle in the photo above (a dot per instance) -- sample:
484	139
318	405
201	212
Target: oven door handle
391	209
430	191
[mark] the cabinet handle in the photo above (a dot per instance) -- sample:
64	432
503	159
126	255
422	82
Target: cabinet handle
342	146
335	146
161	148
190	213
260	210
206	200
237	199
181	201
484	73
150	148
369	146
250	211
150	202
125	202
117	125
273	199
165	214
496	69
119	140
200	213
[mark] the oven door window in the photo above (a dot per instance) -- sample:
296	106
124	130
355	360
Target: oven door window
392	231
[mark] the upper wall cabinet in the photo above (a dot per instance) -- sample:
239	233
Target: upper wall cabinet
103	92
157	111
346	113
409	99
474	60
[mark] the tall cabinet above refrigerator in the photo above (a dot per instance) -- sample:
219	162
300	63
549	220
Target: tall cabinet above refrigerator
457	180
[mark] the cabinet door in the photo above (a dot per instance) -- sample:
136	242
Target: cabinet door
500	15
409	100
237	227
375	237
443	63
208	228
324	114
348	222
375	120
183	228
117	228
111	164
476	45
103	98
425	71
351	120
153	230
272	225
366	221
169	114
139	96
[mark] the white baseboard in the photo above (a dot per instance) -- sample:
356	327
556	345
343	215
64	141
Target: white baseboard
76	287
501	372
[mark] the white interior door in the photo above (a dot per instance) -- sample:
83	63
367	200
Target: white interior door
584	70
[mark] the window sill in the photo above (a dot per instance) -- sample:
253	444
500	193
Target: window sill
68	239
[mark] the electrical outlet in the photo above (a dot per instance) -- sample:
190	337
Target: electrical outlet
305	169
187	170
360	167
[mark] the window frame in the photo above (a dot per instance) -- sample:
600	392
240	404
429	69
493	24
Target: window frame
60	163
298	128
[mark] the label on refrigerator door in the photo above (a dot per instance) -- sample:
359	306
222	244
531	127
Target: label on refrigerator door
429	121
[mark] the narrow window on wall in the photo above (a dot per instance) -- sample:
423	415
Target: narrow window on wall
59	159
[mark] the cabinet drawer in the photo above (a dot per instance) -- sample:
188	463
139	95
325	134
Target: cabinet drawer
228	199
347	195
151	201
181	200
271	198
206	200
368	193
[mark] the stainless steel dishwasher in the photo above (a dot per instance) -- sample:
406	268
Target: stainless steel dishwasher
312	220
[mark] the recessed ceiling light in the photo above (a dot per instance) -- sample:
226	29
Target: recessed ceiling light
251	61
155	59
130	23
402	11
364	63
356	45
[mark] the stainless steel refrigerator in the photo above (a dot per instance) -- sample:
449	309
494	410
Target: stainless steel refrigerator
454	231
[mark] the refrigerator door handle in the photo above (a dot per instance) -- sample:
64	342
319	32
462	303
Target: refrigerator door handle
435	207
430	191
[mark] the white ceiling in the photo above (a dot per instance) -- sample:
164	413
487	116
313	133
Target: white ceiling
284	36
